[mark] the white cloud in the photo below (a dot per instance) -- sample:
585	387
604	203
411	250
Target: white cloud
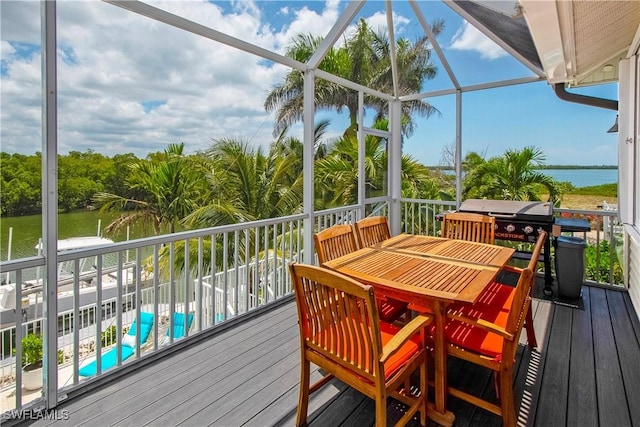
378	22
117	60
307	21
469	38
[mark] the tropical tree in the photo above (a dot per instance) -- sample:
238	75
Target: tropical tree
337	173
170	188
512	176
20	184
364	59
244	184
247	185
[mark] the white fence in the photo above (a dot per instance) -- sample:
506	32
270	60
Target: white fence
216	274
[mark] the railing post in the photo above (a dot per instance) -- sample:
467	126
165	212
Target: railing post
49	201
308	161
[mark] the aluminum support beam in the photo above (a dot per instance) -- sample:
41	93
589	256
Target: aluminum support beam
362	191
394	151
458	148
49	201
307	165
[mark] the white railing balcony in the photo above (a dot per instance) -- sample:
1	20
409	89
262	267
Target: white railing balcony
214	276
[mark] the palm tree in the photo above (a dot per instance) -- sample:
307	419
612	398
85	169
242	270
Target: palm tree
512	176
363	59
244	185
169	188
337	177
247	185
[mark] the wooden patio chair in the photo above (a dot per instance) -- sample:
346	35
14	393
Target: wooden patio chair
487	333
372	230
472	227
469	226
340	240
334	242
369	231
340	332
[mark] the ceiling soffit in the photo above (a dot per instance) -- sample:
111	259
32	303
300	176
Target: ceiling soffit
577	39
604	31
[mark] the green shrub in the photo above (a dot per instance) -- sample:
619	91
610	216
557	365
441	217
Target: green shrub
108	336
599	272
31	351
604	190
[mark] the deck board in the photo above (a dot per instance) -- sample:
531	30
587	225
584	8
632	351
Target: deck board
584	372
552	403
611	411
627	348
582	400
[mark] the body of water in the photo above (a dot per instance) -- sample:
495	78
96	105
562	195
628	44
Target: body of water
579	177
27	231
583	177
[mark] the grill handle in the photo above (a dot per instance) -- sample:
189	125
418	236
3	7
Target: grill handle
503	216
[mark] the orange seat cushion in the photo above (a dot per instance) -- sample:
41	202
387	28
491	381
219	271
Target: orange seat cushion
495	296
408	349
475	338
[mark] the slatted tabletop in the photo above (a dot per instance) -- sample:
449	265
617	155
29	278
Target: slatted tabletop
416	277
438	247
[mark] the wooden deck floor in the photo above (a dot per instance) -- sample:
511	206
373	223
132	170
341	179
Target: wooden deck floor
585	372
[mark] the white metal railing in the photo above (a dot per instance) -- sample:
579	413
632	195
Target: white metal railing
341	215
419	216
245	263
216	274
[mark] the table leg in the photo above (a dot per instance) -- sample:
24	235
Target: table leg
438	412
548	278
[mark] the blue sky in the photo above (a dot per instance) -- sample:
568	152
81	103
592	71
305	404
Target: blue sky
128	84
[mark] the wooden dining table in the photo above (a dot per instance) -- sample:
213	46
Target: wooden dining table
430	272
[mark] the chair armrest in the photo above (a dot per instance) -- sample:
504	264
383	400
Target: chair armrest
512	269
406	333
483	324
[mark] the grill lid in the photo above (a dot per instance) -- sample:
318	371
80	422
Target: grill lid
534	211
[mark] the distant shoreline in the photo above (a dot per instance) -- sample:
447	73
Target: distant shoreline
568	167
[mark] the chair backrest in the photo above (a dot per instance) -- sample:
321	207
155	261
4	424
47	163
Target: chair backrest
334	242
469	226
522	297
178	325
146	324
372	230
335	314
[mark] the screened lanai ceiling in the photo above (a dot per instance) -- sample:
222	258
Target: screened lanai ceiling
573	42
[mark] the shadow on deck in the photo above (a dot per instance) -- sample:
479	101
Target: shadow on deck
585	372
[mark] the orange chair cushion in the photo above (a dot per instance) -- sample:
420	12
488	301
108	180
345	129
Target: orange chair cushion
409	348
495	296
475	338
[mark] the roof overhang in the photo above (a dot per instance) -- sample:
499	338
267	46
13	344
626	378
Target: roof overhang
580	43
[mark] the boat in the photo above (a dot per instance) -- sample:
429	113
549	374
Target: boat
31	304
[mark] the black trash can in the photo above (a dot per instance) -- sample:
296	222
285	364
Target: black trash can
570	265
